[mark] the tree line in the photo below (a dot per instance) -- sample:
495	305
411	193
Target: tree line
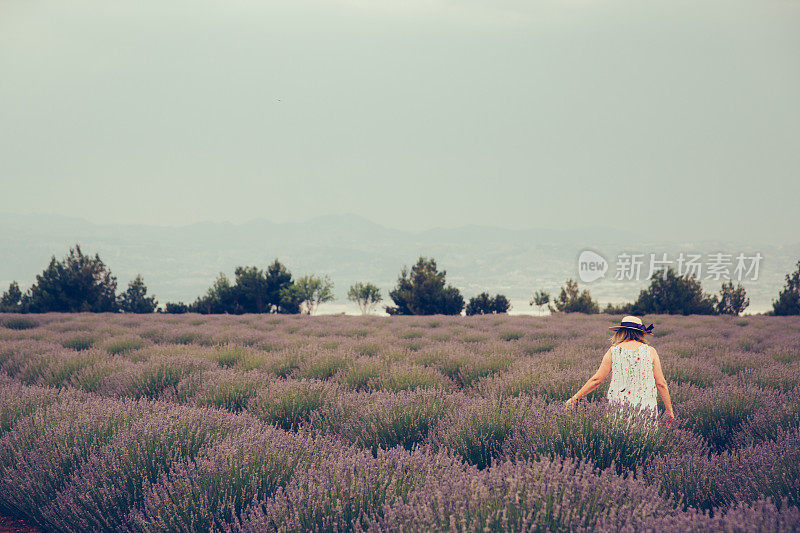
673	294
83	283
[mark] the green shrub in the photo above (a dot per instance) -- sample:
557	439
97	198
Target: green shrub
38	457
323	366
732	366
19	322
92	377
477	433
477	368
718	415
210	492
410	377
696	373
112	481
363	375
786	355
79	342
285	365
59	371
511	335
157	377
124	345
340	492
543	346
415	346
229	355
357	333
187	337
451	365
750	345
371	349
290	403
18	401
230	391
771	378
598	433
381	420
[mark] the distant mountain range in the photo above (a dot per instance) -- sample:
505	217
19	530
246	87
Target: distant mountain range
180	262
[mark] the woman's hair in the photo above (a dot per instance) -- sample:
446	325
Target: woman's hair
626	334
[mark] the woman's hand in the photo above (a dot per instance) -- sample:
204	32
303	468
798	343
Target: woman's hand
570	403
670	416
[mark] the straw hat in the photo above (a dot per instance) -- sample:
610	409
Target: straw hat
631	322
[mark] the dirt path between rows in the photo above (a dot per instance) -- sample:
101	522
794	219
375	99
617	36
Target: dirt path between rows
14	525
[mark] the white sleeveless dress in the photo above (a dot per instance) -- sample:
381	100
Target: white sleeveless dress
632	379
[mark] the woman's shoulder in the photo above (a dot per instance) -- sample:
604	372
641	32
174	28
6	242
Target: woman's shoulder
630	345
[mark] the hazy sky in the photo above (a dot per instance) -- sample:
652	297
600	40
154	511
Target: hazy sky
680	118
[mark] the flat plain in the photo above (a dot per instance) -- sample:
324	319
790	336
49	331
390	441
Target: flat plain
338	423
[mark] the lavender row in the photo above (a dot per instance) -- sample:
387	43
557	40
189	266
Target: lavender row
79	464
339	423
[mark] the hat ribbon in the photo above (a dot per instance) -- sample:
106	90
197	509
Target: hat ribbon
640	327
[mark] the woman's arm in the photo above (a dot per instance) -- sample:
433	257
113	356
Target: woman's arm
661	385
594	381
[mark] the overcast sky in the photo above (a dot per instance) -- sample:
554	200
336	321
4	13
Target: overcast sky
678	118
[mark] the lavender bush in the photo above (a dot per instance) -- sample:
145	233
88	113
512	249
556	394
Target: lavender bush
333	423
546	495
111	482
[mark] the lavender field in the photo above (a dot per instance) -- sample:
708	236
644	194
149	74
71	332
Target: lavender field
336	423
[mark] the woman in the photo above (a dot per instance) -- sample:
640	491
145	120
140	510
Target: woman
635	370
